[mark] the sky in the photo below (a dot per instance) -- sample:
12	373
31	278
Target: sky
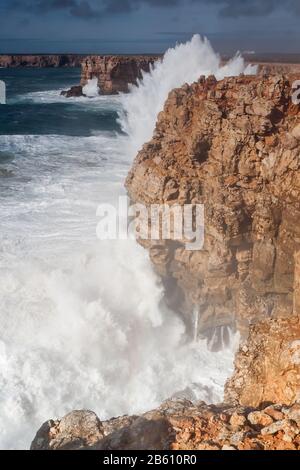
147	26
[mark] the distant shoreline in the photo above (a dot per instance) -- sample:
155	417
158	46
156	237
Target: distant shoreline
75	60
54	60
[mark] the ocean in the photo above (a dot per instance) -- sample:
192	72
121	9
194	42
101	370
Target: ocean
83	321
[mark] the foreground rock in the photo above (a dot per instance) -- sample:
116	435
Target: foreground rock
267	370
177	425
233	146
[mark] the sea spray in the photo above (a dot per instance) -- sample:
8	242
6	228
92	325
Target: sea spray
185	63
91	89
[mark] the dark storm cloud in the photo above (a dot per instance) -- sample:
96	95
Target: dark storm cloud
87	8
84	10
237	8
226	8
100	8
77	8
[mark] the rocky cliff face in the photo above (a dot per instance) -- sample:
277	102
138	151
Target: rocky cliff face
233	146
267	366
49	60
115	73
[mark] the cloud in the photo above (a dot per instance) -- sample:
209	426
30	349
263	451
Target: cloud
77	8
87	9
226	8
248	8
236	8
125	6
84	10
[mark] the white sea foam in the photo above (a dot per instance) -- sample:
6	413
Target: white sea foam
183	64
83	323
111	103
91	89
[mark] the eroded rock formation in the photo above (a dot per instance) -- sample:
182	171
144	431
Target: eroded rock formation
233	146
115	73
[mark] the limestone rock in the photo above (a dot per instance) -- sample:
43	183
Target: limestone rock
176	425
78	429
115	73
268	368
230	146
259	418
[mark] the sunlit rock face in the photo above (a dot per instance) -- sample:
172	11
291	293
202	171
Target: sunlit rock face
233	146
267	366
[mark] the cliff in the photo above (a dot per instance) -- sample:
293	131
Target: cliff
114	73
233	146
40	61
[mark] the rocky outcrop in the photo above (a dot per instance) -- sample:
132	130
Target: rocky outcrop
115	73
177	425
74	91
46	60
233	146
